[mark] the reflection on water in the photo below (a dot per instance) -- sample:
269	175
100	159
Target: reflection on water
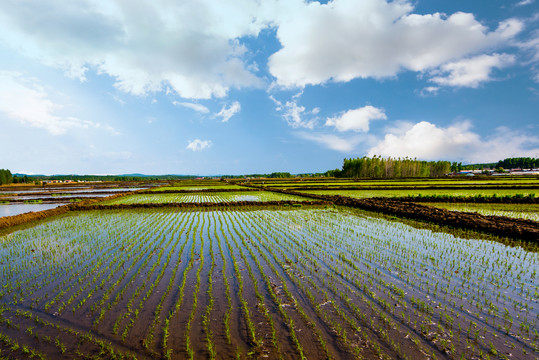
16	209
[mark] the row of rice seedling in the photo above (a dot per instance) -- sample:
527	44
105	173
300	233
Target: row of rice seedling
427	288
202	197
333	316
315	283
424	192
518	211
198	186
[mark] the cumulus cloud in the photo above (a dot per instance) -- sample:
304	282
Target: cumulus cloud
357	119
331	141
471	72
199	145
196	107
193	47
190	47
26	101
347	39
428	141
227	112
296	115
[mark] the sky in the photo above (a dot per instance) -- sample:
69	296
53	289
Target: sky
211	87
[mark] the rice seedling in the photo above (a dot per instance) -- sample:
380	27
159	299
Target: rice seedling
264	282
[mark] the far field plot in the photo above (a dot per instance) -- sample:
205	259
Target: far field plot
519	211
424	192
292	284
200	197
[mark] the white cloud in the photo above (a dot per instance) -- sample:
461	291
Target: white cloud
531	46
525	2
192	47
227	112
347	39
197	107
189	46
26	101
429	91
199	145
334	142
427	141
357	119
295	114
471	72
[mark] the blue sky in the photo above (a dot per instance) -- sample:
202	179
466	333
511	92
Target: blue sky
242	86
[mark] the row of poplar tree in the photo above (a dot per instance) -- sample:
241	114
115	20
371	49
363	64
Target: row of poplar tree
387	168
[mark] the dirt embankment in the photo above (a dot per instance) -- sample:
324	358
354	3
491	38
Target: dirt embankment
497	225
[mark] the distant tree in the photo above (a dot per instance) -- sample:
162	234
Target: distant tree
520	162
280	175
5	177
333	173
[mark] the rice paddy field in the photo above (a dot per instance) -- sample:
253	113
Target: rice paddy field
200	197
396	183
199	187
424	192
279	282
520	211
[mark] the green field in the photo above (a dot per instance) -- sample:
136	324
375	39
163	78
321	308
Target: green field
309	283
202	186
215	197
415	182
276	282
520	211
425	192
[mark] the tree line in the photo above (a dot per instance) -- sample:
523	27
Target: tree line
519	162
390	168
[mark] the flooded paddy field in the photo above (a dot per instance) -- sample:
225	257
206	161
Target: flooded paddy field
425	192
15	200
518	211
308	283
16	209
201	197
200	187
